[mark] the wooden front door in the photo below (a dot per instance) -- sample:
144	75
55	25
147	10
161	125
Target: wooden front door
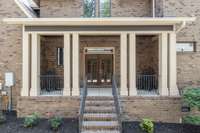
99	69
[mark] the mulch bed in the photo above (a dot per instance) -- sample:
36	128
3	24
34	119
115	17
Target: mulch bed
15	125
133	127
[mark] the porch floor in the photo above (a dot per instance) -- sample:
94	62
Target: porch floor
99	91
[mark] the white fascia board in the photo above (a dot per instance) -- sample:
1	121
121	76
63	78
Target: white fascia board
28	13
99	21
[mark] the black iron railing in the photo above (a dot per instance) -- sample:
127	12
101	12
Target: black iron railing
51	84
83	96
116	96
147	83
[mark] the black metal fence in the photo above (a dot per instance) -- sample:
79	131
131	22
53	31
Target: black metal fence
147	83
51	84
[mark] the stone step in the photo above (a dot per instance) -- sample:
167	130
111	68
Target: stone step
99	103
100	131
100	98
100	125
99	109
99	116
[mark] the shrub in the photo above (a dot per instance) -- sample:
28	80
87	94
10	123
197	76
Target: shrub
194	120
192	97
147	125
55	123
31	120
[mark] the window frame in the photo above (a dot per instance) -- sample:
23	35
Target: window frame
99	8
192	42
95	9
59	62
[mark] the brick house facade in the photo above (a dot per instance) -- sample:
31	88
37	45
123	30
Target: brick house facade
147	53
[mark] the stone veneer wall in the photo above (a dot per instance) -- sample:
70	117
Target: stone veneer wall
164	109
60	106
74	8
11	46
188	67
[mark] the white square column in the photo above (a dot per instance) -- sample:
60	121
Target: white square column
172	65
25	65
35	65
67	63
123	64
163	60
75	54
132	65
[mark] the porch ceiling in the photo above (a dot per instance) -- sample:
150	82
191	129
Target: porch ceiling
98	21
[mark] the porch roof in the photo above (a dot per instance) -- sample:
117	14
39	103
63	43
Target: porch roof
123	21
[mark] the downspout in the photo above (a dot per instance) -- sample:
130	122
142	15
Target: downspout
153	9
181	27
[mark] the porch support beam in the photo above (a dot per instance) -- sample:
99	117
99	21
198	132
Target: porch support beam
123	64
132	65
67	63
35	65
75	82
163	60
26	65
172	65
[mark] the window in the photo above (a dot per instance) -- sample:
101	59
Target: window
185	47
89	8
60	56
104	8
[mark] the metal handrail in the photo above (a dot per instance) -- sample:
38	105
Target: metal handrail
83	96
116	97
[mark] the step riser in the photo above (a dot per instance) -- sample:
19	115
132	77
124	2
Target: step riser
100	128
99	119
99	104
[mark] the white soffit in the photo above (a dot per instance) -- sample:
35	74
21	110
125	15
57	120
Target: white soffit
99	21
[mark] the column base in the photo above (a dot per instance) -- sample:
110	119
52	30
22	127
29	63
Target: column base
124	93
174	91
67	92
133	92
24	93
33	92
75	92
164	92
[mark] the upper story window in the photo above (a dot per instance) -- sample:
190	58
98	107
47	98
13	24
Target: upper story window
91	8
60	54
104	8
185	47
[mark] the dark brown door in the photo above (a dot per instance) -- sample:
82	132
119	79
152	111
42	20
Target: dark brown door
99	69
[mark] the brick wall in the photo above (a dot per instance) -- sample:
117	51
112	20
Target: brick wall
11	45
59	106
49	45
74	8
188	67
164	109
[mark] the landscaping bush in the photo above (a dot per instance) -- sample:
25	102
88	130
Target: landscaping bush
192	97
31	120
55	123
194	120
147	125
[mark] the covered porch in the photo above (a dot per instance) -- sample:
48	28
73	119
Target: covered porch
141	55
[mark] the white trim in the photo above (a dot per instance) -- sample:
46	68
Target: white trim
120	21
23	8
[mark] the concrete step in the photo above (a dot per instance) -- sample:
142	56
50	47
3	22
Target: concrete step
99	109
99	103
99	98
99	116
100	125
100	131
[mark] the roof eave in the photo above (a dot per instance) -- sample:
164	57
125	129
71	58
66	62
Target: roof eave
99	21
